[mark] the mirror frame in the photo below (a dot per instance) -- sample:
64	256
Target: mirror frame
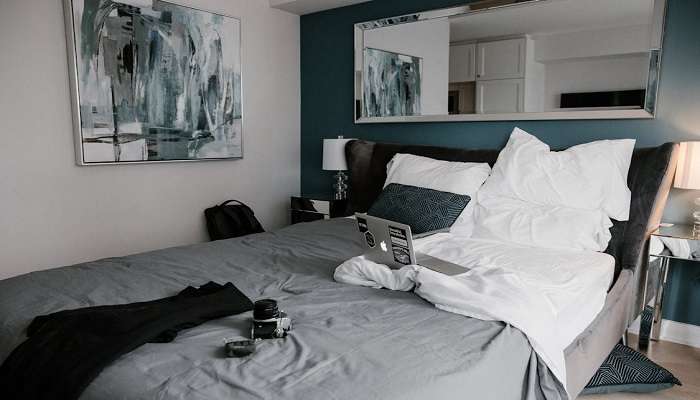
653	73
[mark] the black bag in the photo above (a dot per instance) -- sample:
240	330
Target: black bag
227	221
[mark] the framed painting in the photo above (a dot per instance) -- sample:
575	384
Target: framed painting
153	81
391	84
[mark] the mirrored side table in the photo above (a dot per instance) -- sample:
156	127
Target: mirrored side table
667	243
312	208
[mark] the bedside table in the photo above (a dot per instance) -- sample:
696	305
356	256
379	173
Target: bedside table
312	208
685	245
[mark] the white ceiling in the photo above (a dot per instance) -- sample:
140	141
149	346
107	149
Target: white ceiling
552	16
302	7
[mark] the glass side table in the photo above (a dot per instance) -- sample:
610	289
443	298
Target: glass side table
311	208
679	242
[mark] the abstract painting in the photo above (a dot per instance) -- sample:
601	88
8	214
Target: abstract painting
154	81
391	84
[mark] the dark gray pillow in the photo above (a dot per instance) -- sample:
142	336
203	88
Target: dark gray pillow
423	209
626	370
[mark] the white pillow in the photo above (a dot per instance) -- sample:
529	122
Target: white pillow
448	176
551	227
591	176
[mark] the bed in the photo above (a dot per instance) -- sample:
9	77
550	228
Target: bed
348	342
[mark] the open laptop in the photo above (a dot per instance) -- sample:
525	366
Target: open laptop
391	243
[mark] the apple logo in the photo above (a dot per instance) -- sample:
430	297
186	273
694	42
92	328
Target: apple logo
383	246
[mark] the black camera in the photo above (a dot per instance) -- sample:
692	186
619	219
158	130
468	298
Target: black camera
268	321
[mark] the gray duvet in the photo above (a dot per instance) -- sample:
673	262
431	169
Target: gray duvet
348	342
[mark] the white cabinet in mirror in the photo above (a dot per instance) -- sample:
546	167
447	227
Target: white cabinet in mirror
520	60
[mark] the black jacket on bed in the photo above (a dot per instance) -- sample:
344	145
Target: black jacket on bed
66	350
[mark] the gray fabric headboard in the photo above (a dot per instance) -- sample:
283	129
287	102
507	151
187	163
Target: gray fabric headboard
650	177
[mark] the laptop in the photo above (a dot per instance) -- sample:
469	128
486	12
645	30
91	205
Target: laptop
391	243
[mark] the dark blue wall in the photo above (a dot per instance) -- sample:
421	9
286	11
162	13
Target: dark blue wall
682	299
327	108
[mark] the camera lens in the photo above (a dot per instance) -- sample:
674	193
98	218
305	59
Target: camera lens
265	309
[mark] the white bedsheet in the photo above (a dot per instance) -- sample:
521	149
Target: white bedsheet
550	295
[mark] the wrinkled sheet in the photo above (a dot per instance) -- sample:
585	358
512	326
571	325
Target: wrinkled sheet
348	342
551	295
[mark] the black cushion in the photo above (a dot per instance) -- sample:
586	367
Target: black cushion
626	370
422	209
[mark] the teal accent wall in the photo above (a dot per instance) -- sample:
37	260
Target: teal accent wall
682	298
327	109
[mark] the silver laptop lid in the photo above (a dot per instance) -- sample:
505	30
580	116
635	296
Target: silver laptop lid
391	243
387	242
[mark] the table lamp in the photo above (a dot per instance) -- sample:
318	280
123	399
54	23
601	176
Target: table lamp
688	175
334	160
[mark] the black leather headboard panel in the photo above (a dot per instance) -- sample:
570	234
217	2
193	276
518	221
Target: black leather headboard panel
650	177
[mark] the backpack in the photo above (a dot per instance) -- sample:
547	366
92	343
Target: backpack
227	221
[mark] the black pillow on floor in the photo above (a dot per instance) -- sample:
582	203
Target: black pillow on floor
626	370
422	209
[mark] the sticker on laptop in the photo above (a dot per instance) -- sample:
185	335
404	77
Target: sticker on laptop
362	225
401	255
369	238
399	245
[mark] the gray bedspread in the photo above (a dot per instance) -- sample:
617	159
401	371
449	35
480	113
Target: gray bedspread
348	342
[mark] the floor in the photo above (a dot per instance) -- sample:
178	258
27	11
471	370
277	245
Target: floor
682	361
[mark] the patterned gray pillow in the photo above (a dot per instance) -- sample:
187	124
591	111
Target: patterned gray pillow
422	209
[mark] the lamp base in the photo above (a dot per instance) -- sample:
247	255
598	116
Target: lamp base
340	187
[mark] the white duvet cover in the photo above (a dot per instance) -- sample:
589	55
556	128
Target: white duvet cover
550	295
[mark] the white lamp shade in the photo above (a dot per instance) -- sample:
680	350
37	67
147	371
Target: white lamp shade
334	154
688	169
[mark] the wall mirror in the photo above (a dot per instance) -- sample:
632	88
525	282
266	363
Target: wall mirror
511	60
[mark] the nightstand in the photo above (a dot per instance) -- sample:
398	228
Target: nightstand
685	245
312	208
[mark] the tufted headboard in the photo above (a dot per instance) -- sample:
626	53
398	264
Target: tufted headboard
650	177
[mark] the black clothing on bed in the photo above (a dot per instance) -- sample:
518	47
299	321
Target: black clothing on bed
66	350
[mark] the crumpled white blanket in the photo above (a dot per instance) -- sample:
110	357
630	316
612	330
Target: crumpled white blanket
363	272
550	295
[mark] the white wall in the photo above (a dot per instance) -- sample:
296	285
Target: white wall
534	79
54	213
429	40
596	43
593	75
590	61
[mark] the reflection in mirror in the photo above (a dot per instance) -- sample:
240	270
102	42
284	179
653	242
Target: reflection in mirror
397	75
547	58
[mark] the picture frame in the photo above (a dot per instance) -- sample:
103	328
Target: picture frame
138	98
